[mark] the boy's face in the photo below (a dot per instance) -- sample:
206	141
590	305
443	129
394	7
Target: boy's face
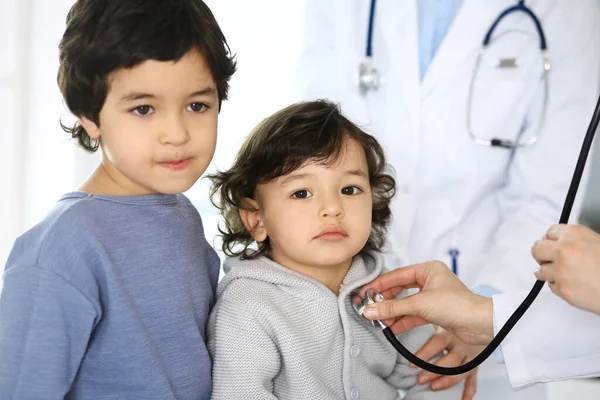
158	126
318	216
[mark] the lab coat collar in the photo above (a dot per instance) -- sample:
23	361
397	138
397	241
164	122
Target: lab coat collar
397	22
462	41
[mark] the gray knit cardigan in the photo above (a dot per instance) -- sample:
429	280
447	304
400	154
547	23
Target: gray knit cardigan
277	334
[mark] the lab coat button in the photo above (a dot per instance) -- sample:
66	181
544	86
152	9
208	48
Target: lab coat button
354	394
354	351
406	189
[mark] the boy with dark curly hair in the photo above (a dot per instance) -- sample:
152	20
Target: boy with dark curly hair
306	205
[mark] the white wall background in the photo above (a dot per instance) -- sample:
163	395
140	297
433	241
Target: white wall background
38	162
13	51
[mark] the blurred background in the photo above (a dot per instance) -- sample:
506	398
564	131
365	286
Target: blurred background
39	162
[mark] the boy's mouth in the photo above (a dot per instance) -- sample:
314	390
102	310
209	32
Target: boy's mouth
332	233
176	165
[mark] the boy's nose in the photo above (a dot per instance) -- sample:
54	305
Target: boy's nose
175	132
332	207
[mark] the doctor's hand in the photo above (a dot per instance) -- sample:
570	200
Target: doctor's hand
569	258
458	353
443	300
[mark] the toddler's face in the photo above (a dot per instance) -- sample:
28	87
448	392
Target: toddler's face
158	125
318	216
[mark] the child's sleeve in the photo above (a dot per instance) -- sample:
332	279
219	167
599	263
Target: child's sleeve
245	358
404	377
45	325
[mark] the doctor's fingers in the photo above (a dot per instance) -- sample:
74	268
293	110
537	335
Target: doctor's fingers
555	232
417	275
565	232
438	382
403	324
396	308
547	273
457	353
440	341
470	386
544	251
379	285
395	291
444	382
392	282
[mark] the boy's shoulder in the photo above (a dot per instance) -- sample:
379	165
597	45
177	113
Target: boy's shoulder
71	216
66	219
237	285
77	223
80	219
259	284
83	232
58	244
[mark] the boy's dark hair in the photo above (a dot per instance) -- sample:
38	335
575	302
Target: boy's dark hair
284	142
103	36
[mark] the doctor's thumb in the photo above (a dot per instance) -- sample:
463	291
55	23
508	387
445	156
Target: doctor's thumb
387	309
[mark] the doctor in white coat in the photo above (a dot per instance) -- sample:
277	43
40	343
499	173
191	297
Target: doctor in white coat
556	339
489	203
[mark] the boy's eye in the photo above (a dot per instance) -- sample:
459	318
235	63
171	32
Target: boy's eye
143	110
196	107
301	194
351	190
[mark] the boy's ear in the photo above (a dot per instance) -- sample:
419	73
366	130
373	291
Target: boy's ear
90	127
250	215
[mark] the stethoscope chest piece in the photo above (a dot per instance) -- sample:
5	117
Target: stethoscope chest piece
359	304
368	77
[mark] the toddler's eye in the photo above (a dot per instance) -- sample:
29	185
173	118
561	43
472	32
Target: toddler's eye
196	107
143	110
351	190
301	194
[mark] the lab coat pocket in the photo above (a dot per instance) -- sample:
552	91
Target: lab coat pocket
498	103
494	114
497	107
506	80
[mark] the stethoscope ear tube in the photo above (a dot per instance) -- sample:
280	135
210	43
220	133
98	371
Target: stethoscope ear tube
514	318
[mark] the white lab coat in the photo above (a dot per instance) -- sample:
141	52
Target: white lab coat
490	203
552	341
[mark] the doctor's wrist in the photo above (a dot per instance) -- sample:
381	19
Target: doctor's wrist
487	319
480	328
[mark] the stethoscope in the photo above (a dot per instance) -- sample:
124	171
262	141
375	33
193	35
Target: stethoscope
369	77
359	303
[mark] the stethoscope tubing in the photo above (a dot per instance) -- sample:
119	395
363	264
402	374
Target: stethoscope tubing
564	218
537	287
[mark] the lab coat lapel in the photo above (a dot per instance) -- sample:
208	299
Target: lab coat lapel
401	93
397	21
462	41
